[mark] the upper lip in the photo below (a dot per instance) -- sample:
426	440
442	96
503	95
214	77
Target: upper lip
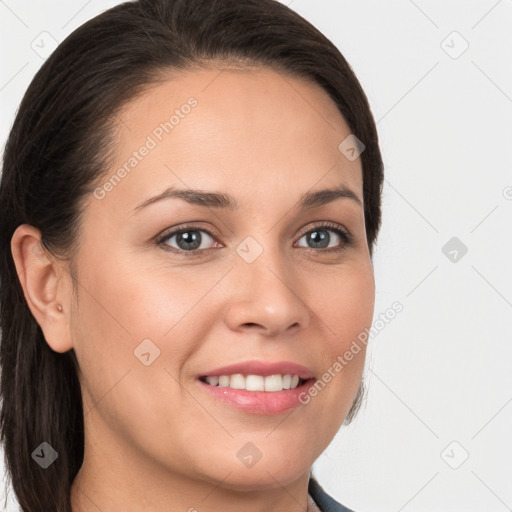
263	368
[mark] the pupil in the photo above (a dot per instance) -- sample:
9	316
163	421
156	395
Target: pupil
188	240
318	238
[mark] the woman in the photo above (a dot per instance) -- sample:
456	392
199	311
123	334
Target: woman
190	199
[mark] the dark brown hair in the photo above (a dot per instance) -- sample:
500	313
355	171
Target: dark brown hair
58	149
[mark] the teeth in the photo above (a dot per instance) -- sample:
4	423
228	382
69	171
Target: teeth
213	381
223	381
237	381
255	382
274	383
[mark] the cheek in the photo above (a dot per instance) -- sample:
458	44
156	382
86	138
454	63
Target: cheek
345	311
344	305
126	301
128	310
124	315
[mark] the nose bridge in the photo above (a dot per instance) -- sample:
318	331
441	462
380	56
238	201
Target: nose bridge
264	263
266	292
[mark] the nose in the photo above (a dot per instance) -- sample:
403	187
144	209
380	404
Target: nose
267	297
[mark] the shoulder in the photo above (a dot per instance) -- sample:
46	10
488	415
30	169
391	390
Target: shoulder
322	499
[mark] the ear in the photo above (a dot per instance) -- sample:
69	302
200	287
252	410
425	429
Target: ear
45	283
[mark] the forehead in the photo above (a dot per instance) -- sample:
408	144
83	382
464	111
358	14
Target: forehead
240	129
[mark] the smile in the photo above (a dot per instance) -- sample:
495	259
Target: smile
269	383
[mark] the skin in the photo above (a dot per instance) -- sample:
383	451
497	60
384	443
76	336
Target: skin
154	440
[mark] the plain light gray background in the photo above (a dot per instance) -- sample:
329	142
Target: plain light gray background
435	432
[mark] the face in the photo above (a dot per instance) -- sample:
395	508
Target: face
172	290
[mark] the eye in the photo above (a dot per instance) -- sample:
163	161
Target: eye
327	236
189	240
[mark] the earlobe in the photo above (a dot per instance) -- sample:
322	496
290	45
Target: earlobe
44	285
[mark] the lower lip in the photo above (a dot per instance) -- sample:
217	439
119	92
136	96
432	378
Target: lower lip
260	402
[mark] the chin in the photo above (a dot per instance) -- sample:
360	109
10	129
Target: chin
279	468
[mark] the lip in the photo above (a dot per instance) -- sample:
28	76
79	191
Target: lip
262	368
259	402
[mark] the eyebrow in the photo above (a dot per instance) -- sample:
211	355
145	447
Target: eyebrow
221	200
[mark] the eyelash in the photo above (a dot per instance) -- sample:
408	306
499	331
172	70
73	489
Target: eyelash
346	237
